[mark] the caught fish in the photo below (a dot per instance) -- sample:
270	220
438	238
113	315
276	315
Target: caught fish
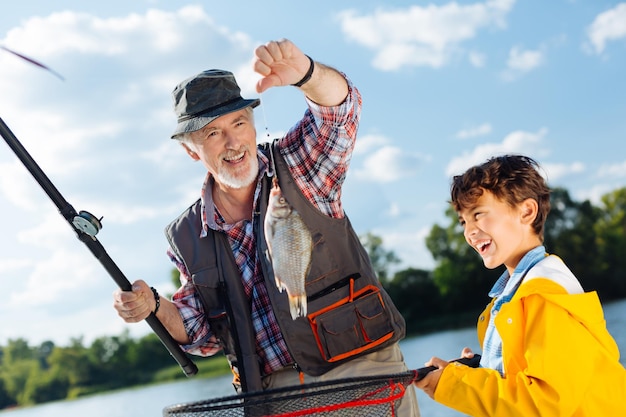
290	245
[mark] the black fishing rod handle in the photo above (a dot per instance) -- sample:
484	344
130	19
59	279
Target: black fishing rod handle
473	362
96	248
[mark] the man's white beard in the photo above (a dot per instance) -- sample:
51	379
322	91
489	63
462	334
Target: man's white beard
226	177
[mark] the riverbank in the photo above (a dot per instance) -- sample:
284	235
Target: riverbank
210	367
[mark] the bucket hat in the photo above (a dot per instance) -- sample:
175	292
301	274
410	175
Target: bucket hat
200	99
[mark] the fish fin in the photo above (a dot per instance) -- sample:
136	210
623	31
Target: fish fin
279	284
297	306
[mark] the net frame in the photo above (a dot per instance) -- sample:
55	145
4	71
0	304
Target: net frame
374	395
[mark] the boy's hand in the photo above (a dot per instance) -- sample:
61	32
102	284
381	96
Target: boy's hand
467	353
429	383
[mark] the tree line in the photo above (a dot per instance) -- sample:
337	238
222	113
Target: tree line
590	238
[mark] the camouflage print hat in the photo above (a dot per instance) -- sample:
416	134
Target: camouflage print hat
204	97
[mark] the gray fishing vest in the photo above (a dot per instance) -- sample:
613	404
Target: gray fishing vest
349	313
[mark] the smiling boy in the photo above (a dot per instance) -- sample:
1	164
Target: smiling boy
546	349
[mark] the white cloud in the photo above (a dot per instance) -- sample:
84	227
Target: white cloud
422	36
167	154
394	210
76	32
557	171
524	60
593	194
389	164
409	245
9	265
515	142
48	283
612	170
17	186
366	143
521	61
481	130
607	26
477	59
48	230
518	142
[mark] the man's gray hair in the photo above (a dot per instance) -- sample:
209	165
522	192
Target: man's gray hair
187	136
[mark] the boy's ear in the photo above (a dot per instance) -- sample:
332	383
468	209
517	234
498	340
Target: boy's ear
528	210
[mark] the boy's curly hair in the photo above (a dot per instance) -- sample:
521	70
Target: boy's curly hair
511	178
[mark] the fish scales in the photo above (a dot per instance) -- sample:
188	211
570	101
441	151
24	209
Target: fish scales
290	246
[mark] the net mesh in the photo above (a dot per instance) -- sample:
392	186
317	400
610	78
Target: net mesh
374	396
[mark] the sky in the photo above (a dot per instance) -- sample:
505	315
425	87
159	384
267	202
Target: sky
445	85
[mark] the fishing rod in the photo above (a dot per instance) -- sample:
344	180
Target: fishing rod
86	226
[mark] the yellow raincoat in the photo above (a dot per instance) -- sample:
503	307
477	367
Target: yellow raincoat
559	360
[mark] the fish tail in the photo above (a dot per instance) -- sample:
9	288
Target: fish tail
297	306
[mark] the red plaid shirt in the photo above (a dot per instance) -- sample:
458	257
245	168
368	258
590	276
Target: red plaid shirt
318	151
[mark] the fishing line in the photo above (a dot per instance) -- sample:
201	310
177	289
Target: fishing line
267	130
272	168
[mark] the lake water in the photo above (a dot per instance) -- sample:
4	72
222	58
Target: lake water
150	401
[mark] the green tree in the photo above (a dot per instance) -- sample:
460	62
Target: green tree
110	354
152	355
416	296
382	259
16	350
462	279
570	233
18	361
15	378
71	363
611	232
43	352
44	385
6	399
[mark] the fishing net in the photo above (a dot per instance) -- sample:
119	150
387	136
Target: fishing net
373	396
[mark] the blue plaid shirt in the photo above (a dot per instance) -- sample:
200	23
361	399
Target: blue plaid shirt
503	291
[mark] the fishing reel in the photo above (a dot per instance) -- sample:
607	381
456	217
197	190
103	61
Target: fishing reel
87	223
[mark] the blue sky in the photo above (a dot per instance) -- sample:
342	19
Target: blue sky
445	85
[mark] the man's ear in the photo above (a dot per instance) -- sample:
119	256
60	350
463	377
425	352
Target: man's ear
190	152
528	210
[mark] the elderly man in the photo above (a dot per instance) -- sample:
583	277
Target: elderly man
228	299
